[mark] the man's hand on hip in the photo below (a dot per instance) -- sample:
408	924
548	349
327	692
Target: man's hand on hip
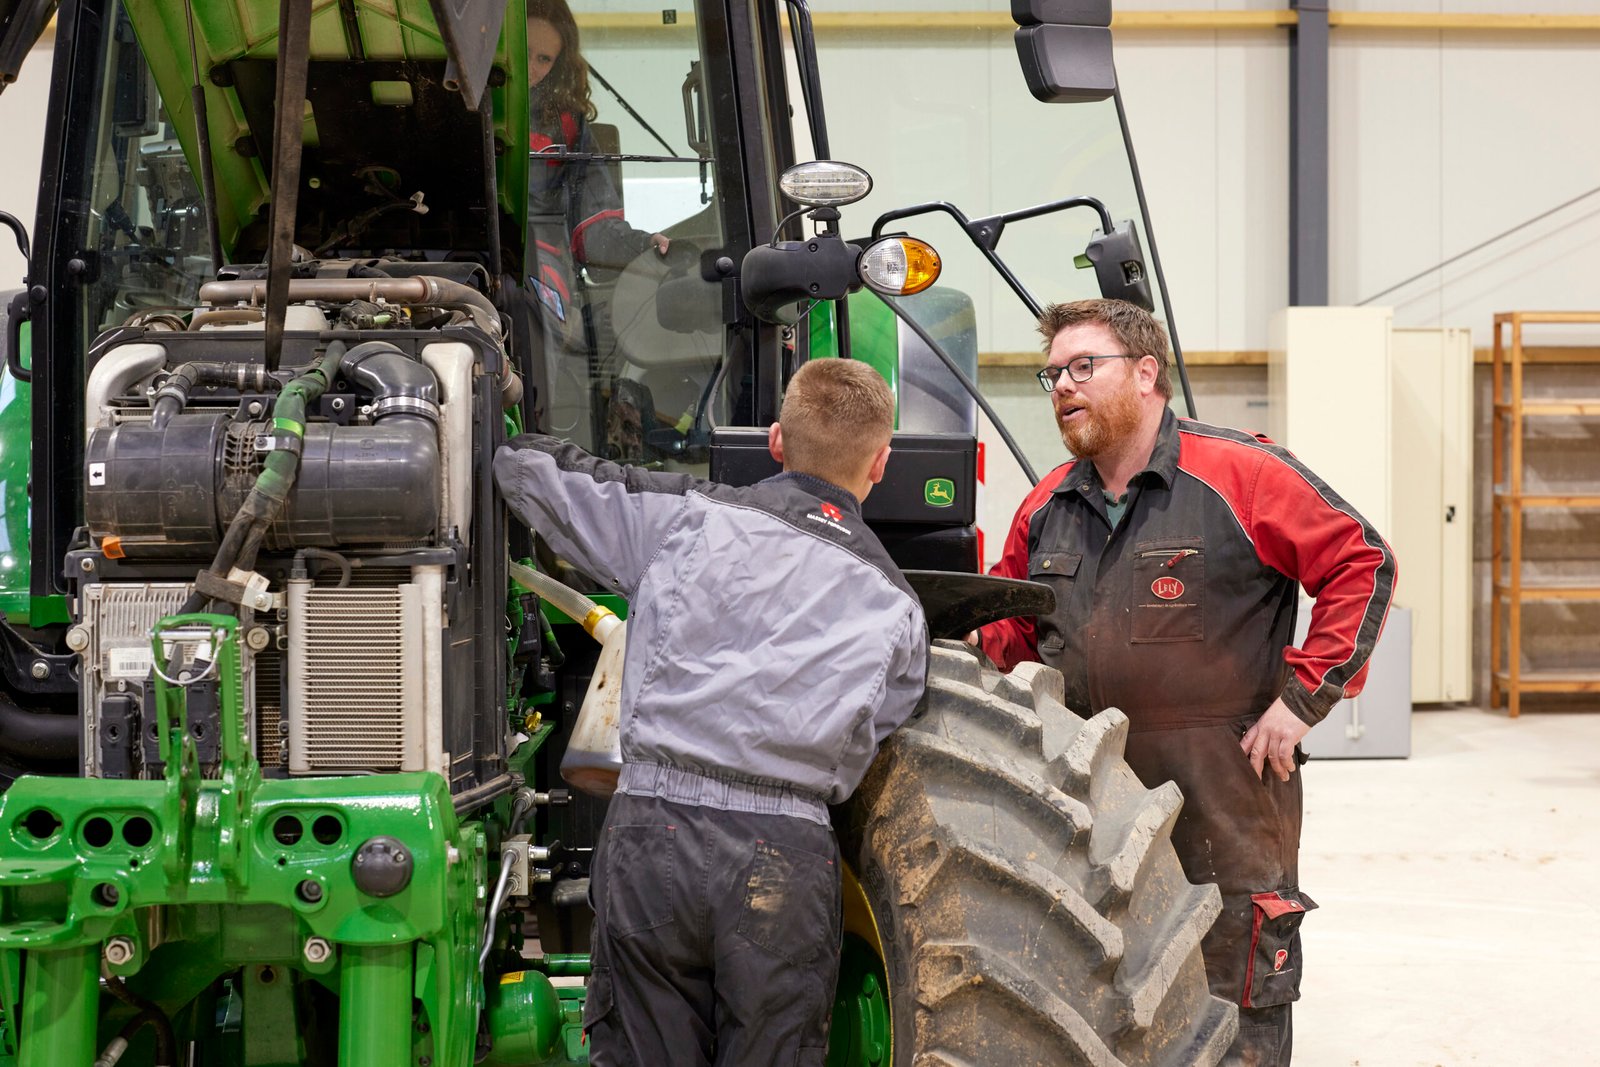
1273	738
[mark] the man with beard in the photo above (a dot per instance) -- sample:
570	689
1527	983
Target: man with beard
1175	549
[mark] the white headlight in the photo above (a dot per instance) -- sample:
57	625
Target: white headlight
825	183
899	266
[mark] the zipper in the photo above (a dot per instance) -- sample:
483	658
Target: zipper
1180	554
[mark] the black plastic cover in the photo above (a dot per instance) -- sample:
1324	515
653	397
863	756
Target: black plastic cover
1067	64
931	478
957	604
119	725
1061	12
1119	265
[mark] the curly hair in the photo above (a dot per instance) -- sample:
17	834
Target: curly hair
566	88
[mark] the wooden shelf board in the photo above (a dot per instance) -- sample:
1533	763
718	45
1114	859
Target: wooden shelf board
1547	317
1547	500
1578	406
1548	590
1540	354
1552	681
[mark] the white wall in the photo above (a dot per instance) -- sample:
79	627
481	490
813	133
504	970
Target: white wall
1440	140
1449	138
22	125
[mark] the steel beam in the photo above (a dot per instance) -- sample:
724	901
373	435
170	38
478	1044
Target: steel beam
1308	155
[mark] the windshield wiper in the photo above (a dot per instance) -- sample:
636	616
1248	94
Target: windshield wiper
563	156
628	107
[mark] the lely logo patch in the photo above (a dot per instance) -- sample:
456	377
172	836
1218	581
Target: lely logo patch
1280	958
1167	588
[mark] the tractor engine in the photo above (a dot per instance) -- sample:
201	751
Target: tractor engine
362	607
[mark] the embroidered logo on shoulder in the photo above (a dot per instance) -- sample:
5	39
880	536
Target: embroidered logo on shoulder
831	515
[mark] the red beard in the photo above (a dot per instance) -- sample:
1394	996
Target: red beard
1104	424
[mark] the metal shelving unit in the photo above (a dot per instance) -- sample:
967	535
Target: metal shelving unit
1507	680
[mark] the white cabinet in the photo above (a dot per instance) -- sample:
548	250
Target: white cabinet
1432	485
1329	400
1384	416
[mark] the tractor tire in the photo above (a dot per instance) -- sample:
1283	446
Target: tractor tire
1028	902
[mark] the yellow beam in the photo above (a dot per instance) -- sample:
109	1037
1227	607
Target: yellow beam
1139	21
1423	20
1579	355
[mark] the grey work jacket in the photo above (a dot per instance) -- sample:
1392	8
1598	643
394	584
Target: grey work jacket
772	644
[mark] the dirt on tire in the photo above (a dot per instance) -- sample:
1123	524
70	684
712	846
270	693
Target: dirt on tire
1030	904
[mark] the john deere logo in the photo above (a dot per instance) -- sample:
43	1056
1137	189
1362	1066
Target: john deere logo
939	492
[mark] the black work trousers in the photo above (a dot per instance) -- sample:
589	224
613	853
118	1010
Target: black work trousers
716	938
1266	1038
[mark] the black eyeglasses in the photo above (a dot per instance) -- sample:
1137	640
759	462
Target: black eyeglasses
1080	370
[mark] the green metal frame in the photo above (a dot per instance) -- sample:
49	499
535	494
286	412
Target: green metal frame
191	879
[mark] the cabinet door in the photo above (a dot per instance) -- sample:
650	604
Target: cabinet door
1432	530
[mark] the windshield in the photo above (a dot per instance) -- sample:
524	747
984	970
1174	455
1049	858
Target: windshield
938	109
144	225
631	155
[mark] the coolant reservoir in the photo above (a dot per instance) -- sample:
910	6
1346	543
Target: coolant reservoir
593	759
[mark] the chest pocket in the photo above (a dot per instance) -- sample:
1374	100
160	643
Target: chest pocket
1058	570
1169	579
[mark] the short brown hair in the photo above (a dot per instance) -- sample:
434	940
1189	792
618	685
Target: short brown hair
1135	328
836	414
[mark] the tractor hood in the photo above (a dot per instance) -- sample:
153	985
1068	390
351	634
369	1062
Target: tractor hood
396	97
22	23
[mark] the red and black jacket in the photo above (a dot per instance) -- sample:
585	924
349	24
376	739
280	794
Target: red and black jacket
1183	615
582	196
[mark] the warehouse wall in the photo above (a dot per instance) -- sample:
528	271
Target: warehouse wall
1441	139
22	125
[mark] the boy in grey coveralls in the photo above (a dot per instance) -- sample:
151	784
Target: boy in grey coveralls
772	647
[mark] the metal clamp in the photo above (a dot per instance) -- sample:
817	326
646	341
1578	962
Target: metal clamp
286	442
194	637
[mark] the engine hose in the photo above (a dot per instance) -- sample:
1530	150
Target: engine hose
398	383
173	396
149	1012
37	734
507	858
339	559
520	806
266	498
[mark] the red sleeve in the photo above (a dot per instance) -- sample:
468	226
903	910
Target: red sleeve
1303	529
1013	641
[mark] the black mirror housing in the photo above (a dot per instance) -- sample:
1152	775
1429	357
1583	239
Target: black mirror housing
1064	47
774	278
1119	268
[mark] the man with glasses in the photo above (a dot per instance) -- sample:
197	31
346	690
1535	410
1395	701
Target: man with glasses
1175	549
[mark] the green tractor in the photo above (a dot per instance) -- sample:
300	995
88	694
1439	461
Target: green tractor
280	733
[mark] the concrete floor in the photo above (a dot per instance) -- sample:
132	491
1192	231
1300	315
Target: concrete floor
1460	897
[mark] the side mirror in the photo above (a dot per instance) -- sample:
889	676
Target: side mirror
1118	262
21	307
1065	49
